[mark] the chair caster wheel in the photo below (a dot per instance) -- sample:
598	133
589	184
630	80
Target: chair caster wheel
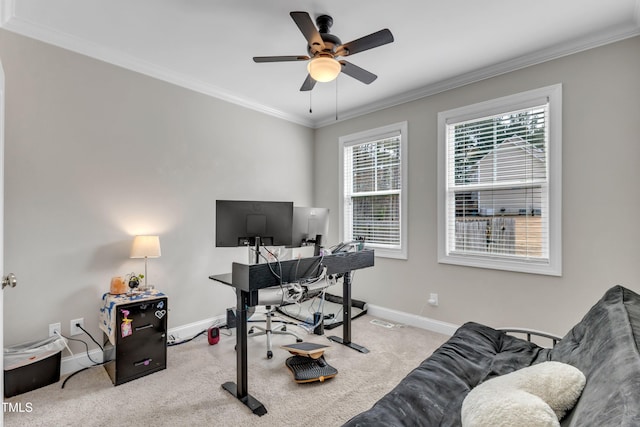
269	354
250	331
284	329
298	339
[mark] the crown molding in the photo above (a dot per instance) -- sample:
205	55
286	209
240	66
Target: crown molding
75	44
10	22
538	57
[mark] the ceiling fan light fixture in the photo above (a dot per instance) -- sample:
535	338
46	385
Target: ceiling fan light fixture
324	69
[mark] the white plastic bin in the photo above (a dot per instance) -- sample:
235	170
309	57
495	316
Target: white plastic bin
32	365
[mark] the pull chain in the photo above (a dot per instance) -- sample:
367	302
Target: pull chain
336	99
310	109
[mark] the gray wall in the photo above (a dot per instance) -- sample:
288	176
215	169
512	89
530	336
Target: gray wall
96	154
601	173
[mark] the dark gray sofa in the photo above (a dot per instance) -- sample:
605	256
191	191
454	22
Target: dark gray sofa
604	346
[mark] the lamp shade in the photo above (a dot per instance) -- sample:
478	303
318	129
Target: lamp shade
324	69
145	247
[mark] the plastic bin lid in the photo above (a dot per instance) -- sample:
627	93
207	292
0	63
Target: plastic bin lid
33	351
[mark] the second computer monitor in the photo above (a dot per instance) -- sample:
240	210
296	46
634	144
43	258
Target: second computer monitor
309	223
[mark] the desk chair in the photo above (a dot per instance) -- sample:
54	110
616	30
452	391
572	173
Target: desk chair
271	297
268	330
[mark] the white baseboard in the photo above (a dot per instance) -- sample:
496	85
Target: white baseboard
76	362
412	320
189	330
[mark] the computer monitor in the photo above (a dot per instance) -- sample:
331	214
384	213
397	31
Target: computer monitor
308	223
240	222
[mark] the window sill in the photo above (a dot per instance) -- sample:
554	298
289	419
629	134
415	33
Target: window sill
497	263
381	252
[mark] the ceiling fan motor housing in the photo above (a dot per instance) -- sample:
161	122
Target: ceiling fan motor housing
331	41
324	23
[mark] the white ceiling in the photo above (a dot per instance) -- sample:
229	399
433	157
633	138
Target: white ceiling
208	45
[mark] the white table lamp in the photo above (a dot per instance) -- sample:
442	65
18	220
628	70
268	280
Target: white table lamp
145	247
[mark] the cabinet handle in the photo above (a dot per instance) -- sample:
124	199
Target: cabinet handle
144	362
139	328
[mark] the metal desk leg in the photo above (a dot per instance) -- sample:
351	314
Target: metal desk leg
346	317
240	389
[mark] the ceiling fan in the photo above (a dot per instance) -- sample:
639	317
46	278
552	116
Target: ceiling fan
323	49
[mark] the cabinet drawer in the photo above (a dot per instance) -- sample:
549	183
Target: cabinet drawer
140	334
139	360
144	314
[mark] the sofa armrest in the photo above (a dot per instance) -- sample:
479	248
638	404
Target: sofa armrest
532	333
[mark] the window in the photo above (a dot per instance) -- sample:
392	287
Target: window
499	183
373	186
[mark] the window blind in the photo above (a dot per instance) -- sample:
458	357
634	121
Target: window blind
372	191
497	185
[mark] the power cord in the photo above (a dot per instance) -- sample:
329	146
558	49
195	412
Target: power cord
83	342
81	370
79	326
87	351
101	347
172	343
65	340
279	277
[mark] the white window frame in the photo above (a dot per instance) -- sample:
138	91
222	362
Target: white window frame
399	252
551	266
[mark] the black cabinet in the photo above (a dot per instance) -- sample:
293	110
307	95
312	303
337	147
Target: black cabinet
140	340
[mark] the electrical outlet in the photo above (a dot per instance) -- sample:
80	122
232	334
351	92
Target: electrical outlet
74	330
53	328
433	300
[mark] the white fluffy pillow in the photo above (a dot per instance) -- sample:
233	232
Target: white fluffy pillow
538	395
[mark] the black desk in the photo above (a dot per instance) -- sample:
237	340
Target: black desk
249	279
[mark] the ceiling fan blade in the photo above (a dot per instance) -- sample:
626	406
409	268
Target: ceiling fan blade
357	73
309	30
280	58
308	84
376	39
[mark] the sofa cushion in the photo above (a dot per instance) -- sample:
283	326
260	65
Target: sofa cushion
538	395
432	394
604	346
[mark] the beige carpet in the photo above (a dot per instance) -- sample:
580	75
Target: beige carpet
189	391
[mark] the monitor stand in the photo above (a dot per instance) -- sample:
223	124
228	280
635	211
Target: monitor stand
257	250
